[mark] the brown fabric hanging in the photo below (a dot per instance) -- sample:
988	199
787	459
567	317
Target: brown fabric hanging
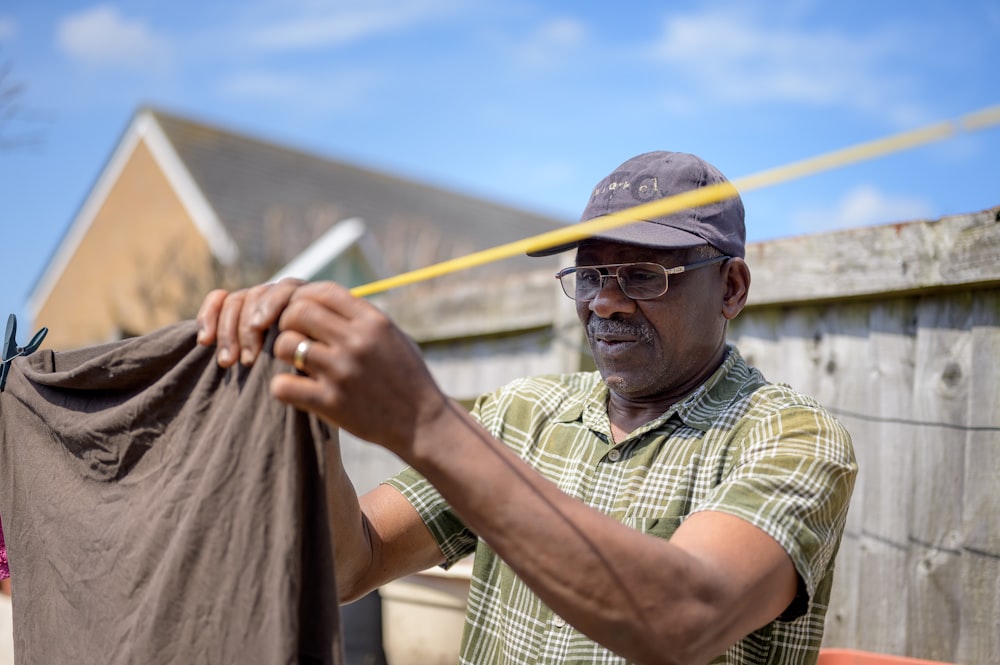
159	509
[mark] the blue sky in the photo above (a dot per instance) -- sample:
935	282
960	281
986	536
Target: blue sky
526	103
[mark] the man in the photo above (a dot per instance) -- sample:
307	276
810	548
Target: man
672	507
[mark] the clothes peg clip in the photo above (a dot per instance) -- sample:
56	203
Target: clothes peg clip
11	350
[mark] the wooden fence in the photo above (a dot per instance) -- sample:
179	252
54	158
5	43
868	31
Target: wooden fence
897	330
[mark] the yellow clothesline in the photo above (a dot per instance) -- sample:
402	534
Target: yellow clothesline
970	122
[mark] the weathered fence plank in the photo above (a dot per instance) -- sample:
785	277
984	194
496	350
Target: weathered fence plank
869	262
845	367
897	330
980	628
940	394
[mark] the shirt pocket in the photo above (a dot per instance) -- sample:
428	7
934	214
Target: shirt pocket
661	526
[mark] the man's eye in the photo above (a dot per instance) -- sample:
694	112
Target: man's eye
643	276
588	277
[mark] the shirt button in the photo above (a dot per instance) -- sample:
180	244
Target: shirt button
614	454
558	621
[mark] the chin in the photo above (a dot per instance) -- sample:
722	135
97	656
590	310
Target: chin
634	384
621	385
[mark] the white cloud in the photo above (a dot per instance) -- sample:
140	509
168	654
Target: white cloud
331	93
551	42
731	57
101	37
864	205
262	84
7	27
324	25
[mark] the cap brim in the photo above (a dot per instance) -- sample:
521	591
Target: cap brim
550	251
645	234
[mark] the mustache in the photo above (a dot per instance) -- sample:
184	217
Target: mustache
599	326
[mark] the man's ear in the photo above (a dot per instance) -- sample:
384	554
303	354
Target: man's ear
736	277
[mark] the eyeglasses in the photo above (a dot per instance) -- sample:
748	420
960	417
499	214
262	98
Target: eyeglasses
638	281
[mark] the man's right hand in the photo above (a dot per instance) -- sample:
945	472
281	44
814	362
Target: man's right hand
237	321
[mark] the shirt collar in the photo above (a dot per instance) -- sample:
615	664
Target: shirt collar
704	405
700	408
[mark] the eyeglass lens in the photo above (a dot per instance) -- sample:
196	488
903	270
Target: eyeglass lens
638	281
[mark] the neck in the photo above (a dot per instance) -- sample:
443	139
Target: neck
627	414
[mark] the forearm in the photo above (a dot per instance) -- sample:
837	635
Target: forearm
351	542
378	537
637	595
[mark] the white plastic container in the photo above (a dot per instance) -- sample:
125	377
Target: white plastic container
6	631
423	616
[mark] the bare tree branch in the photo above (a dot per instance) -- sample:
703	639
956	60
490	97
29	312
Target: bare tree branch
13	112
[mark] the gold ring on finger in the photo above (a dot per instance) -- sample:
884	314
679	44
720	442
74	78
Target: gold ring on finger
299	357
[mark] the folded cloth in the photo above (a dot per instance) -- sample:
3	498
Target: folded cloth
164	510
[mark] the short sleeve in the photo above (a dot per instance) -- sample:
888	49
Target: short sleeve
453	537
792	477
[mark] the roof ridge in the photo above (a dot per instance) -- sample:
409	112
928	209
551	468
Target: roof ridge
274	200
272	143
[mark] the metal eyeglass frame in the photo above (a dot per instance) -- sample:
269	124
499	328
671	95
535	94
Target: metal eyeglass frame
617	266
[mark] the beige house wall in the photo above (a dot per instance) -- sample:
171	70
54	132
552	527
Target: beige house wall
141	264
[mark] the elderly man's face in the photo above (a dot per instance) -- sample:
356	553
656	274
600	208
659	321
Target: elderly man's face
658	349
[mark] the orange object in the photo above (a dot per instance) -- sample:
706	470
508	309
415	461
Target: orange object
852	657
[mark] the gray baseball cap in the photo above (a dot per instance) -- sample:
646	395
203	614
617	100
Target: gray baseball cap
657	175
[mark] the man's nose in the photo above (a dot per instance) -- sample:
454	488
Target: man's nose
611	300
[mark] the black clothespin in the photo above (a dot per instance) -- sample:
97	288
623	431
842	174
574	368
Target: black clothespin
11	350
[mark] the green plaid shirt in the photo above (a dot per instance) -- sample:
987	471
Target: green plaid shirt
737	444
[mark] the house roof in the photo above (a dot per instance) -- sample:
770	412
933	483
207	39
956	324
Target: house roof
274	201
262	204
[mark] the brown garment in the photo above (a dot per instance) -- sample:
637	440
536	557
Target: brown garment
159	509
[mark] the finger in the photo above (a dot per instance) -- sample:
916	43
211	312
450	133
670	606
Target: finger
322	311
264	305
226	325
303	393
296	350
307	390
249	337
208	316
331	296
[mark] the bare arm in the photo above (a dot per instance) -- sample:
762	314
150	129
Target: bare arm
378	539
718	578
